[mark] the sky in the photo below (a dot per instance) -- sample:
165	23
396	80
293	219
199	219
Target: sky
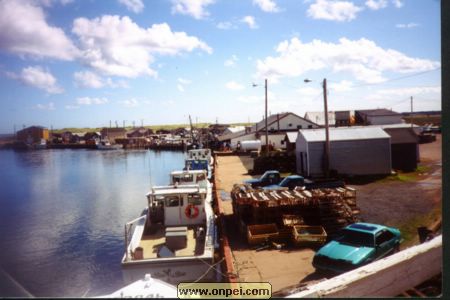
92	63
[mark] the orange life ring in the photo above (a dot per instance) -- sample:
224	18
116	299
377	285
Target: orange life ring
191	211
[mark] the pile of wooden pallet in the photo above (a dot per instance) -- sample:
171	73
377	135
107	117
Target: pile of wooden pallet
332	208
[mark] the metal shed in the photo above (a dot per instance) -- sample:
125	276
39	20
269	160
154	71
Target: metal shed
353	151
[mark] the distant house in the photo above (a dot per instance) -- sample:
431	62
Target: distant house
92	137
318	117
404	148
277	125
113	133
217	129
233	129
32	134
290	140
66	137
377	117
344	118
139	132
353	151
163	131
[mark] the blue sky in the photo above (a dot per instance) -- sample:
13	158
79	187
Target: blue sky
73	63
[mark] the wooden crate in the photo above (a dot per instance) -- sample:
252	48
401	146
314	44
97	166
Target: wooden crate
305	235
257	234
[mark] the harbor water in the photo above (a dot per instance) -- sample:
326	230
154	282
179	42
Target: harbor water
62	215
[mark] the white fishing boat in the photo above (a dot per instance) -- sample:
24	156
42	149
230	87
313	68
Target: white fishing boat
175	237
201	154
106	145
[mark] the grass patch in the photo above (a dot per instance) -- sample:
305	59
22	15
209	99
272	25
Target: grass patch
409	228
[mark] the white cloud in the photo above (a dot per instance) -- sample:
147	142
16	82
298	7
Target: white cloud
267	5
250	21
234	86
397	3
309	91
250	99
117	46
333	10
91	101
49	106
182	82
135	6
193	8
342	86
407	26
362	59
231	62
88	79
226	25
411	91
130	102
70	107
376	4
24	31
39	78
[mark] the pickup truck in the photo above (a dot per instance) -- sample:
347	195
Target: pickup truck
268	178
271	180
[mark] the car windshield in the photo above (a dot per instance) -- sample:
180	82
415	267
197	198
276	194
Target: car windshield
356	238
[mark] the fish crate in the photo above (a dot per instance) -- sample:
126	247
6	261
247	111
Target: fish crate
292	220
307	235
260	233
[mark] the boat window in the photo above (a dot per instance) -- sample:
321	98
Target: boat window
187	178
172	201
200	177
194	199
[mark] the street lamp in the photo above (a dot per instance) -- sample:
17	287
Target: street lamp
267	131
327	134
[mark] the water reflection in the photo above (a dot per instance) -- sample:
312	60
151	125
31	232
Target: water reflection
63	213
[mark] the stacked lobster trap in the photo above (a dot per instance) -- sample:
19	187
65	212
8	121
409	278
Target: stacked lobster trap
292	211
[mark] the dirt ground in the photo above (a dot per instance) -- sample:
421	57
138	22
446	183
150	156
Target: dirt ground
388	202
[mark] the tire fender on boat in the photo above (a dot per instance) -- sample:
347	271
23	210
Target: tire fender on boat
191	211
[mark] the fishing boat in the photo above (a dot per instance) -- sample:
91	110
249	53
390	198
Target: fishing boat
175	237
106	145
201	154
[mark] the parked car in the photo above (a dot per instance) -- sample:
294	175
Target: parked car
289	182
292	181
268	178
357	244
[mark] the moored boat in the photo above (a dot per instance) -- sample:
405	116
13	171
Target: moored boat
175	237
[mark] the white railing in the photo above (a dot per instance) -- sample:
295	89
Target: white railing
128	228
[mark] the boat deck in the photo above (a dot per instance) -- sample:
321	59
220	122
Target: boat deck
151	243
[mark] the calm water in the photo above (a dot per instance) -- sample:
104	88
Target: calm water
62	215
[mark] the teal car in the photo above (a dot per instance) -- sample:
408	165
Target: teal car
357	244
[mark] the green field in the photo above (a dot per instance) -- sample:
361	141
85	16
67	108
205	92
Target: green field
153	127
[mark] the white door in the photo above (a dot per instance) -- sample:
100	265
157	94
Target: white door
173	205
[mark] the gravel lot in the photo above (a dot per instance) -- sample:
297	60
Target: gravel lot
389	202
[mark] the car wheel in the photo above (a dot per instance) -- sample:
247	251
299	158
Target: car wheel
396	248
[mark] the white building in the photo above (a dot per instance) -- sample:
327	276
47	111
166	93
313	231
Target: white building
377	117
277	125
353	151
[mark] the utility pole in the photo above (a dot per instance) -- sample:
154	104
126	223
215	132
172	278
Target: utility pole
411	112
327	137
267	130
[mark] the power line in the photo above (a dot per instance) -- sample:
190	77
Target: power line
398	78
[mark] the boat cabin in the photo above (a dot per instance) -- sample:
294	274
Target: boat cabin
188	177
203	154
177	205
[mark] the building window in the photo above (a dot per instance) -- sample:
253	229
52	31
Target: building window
290	124
310	126
282	142
299	126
